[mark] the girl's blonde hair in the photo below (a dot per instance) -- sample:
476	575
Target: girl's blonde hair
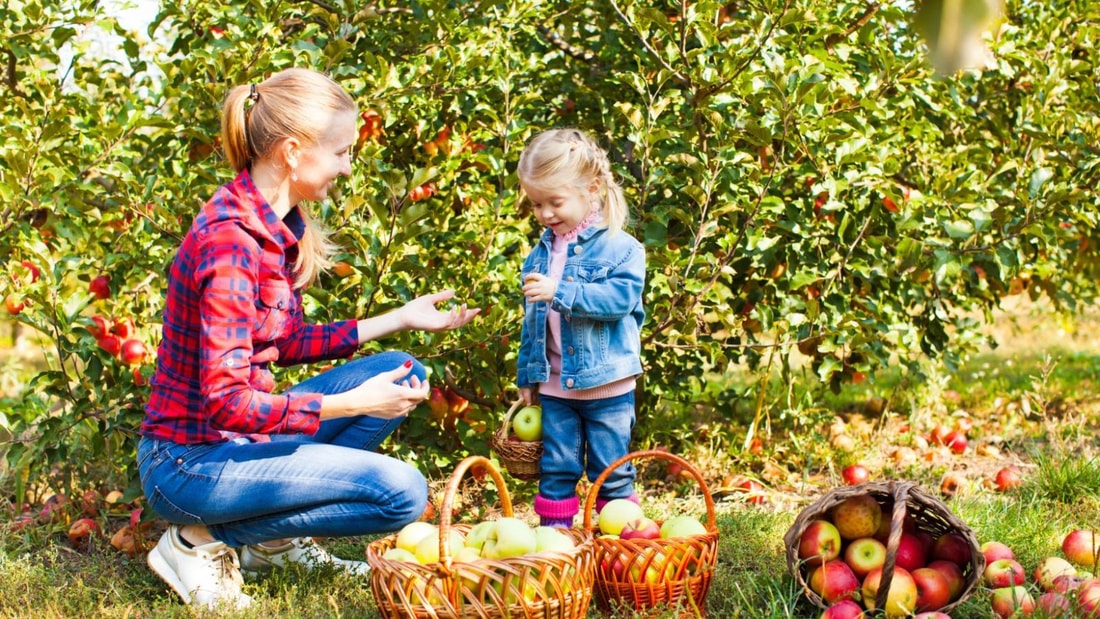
571	157
298	103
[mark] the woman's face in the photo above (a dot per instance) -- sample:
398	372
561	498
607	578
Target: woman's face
320	164
562	208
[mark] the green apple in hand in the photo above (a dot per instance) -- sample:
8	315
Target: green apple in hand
527	423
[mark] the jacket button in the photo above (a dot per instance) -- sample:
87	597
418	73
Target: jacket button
569	350
569	383
569	279
577	249
179	460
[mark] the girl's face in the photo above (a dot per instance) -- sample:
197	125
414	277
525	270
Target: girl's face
320	164
561	209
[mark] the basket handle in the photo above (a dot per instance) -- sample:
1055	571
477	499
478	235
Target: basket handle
593	490
453	483
900	493
506	422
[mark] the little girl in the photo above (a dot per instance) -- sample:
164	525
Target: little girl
580	347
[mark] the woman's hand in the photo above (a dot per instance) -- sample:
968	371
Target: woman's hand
387	395
421	313
537	287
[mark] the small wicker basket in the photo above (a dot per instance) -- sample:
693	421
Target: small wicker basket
544	585
520	458
678	571
928	513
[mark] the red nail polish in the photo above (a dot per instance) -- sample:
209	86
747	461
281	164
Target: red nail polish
409	363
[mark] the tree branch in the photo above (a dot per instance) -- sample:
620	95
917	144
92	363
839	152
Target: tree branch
571	50
860	21
680	78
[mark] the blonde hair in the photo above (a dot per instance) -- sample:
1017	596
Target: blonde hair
291	103
572	157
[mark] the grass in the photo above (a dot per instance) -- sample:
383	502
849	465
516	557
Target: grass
1034	401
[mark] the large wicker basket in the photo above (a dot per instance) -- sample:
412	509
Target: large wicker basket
544	585
520	458
899	499
682	567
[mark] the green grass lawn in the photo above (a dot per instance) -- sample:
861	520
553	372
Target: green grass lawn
1032	402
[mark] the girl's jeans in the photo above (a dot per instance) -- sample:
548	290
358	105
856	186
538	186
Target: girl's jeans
330	484
581	436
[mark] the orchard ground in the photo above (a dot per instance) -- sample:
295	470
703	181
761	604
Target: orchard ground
1034	401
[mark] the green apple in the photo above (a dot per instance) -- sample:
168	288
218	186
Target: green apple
614	516
511	537
682	526
654	563
476	536
551	539
527	423
427	549
412	533
467	554
400	554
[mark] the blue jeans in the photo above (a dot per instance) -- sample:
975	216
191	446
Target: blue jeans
580	436
330	484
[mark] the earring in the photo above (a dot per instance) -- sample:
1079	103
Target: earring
293	175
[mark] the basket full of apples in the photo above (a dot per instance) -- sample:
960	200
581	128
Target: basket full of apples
647	565
518	441
883	546
493	569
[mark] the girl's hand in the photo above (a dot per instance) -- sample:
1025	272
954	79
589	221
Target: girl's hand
529	395
538	287
421	313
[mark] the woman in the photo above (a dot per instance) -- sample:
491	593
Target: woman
227	462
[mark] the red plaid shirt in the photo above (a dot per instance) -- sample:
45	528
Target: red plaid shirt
230	312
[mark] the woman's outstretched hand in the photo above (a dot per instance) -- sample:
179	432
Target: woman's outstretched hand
422	314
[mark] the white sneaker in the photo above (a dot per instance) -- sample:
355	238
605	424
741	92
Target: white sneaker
206	575
302	551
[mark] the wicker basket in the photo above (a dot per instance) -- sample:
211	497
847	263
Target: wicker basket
544	585
681	568
520	458
928	513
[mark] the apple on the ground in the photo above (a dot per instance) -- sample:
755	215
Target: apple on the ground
1082	547
1004	573
1007	601
855	474
1050	568
1088	596
1054	605
996	550
527	423
820	542
865	554
1008	477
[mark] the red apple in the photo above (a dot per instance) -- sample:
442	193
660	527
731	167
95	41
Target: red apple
864	555
1007	601
939	434
14	304
1004	573
834	581
100	286
31	269
1088	596
901	598
855	474
956	580
952	546
81	531
820	542
910	554
1050	568
1065	583
956	441
640	528
111	344
844	609
1054	605
1082	547
933	590
934	614
1008	478
133	352
996	550
123	328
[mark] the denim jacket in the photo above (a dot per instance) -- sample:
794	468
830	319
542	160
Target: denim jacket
599	298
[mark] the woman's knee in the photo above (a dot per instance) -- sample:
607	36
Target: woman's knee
410	496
